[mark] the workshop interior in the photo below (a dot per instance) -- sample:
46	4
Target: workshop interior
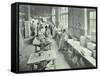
56	37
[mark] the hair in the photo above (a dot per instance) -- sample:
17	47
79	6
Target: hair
63	30
46	27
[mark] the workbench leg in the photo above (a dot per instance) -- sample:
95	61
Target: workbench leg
32	66
54	63
35	48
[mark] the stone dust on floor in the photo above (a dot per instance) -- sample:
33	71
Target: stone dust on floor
60	61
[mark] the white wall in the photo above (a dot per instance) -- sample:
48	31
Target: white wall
5	39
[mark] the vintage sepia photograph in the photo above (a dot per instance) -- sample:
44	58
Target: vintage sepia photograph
57	37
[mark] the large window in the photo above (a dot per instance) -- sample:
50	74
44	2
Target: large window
63	17
54	15
92	22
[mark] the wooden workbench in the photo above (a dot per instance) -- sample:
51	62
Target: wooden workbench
87	53
45	55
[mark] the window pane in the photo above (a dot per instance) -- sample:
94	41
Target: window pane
92	26
66	21
66	9
53	19
63	10
93	15
53	11
63	20
92	21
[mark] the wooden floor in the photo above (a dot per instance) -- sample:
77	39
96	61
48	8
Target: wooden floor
60	61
